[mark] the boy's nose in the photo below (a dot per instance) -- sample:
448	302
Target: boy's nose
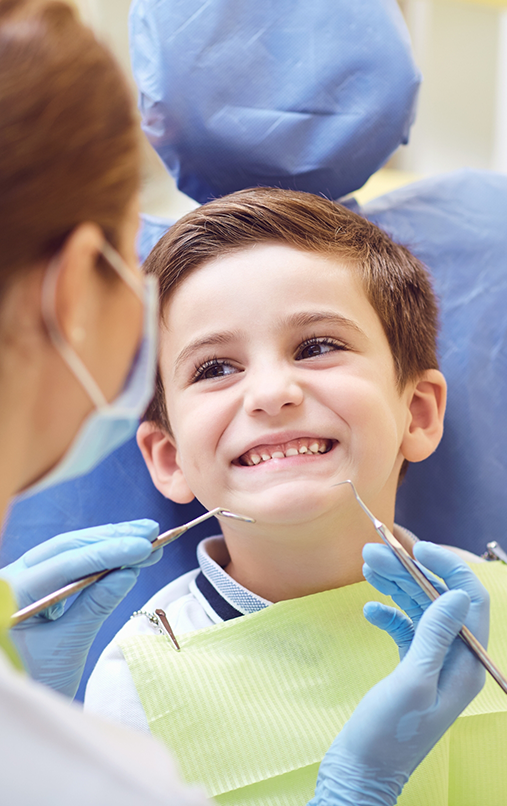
271	391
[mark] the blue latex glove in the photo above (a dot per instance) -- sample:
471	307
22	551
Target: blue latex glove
398	722
54	645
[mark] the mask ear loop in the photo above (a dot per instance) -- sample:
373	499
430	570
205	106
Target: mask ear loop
71	358
48	305
118	264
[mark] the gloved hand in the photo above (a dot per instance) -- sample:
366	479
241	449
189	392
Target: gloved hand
54	645
401	718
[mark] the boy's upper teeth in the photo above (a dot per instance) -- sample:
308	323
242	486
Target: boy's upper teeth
264	453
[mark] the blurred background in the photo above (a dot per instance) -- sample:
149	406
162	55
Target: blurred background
461	49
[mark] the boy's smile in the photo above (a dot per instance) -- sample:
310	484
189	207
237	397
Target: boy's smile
279	383
295	446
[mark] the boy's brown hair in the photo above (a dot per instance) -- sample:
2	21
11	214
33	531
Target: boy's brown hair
396	284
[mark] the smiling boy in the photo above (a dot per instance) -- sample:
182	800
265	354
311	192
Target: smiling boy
297	350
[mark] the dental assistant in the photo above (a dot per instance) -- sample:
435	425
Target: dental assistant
77	359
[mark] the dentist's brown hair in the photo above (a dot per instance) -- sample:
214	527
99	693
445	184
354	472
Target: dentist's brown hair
69	134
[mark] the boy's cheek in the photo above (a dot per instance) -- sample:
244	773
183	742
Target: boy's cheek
200	426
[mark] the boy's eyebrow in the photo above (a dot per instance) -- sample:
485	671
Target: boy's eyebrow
314	317
212	339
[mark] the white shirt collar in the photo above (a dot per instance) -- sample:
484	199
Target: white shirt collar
213	556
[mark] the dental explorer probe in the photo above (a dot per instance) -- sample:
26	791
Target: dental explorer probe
429	589
84	582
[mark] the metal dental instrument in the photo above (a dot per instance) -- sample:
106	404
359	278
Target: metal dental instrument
80	584
415	572
167	627
495	552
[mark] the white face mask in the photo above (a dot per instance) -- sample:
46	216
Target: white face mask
111	424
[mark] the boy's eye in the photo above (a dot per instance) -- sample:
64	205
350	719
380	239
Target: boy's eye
214	368
318	346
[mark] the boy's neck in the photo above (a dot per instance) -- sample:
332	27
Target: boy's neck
291	565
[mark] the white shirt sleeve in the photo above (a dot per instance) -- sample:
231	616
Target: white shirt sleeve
53	754
111	692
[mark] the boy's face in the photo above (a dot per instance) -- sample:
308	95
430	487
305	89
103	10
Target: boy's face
279	383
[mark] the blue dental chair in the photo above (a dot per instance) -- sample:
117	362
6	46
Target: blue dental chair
313	97
457	225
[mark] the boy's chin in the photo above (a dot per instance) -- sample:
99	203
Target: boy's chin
290	507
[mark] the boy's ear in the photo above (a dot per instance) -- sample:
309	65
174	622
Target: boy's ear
425	424
161	457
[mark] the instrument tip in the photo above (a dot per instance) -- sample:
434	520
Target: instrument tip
224	513
347	481
360	501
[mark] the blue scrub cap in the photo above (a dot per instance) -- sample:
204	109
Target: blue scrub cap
311	96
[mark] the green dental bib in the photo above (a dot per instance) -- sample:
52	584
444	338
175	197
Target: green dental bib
250	706
7	608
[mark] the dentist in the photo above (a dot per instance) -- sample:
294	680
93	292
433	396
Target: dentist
77	361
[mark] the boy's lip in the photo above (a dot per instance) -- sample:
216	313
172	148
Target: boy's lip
281	446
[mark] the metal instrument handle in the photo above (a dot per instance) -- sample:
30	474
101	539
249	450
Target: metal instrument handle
80	584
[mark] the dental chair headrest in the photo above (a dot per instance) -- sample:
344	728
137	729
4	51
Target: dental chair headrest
311	96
